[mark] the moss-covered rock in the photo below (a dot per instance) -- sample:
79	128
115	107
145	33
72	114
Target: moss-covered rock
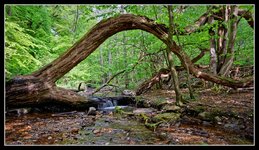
160	101
199	109
143	110
166	117
207	116
171	108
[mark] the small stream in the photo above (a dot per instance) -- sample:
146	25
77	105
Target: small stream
115	131
76	129
108	128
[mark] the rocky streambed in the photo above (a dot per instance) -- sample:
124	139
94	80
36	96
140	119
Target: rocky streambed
213	119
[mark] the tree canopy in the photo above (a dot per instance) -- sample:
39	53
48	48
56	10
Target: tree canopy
35	35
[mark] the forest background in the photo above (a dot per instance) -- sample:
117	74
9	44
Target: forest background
35	35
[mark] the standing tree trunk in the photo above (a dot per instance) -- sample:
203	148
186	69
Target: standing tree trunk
213	55
223	37
126	74
222	46
102	65
170	60
109	62
224	71
75	24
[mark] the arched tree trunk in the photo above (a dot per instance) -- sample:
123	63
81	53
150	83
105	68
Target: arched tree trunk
39	87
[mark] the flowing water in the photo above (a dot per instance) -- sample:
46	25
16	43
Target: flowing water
109	128
108	106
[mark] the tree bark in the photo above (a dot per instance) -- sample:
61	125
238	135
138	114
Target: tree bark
102	65
124	41
170	59
125	54
75	24
147	85
223	38
213	55
40	85
109	61
221	46
232	36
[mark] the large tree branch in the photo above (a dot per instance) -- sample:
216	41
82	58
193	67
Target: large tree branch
203	19
87	44
99	33
198	57
194	60
40	85
198	23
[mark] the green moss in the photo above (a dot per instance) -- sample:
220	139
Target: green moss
217	111
227	79
153	126
144	117
166	117
208	116
171	108
237	140
138	99
159	102
199	109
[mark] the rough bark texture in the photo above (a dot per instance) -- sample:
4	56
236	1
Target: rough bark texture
170	58
224	70
40	85
213	55
221	46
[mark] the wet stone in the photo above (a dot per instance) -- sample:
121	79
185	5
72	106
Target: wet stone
143	110
171	108
231	126
206	123
205	116
217	119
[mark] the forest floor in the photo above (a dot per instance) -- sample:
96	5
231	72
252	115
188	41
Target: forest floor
216	117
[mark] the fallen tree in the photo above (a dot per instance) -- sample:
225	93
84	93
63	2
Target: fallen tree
39	87
156	78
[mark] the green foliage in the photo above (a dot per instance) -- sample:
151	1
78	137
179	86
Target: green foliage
27	39
244	45
35	35
19	55
118	110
